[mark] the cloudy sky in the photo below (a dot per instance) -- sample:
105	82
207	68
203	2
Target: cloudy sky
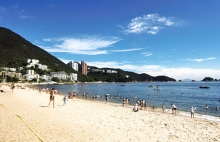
175	38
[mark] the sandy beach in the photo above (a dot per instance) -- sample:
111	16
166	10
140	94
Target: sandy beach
25	116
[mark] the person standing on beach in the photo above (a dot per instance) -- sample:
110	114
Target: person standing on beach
124	102
163	107
106	98
192	111
51	97
12	87
145	105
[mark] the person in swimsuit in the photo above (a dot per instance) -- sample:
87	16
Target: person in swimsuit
192	111
51	97
12	87
163	107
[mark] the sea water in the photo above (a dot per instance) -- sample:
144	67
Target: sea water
182	94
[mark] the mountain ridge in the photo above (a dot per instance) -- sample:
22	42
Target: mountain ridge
15	50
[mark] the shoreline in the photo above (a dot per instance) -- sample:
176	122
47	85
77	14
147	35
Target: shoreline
87	120
182	113
156	109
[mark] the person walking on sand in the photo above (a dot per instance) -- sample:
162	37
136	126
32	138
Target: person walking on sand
192	111
163	107
51	97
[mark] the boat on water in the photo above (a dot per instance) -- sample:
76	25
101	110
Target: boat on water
151	86
205	87
122	85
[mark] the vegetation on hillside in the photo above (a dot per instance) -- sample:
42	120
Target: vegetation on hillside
210	79
15	51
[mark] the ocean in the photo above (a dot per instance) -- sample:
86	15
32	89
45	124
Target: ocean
182	94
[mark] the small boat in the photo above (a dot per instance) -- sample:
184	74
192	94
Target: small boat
205	87
151	86
122	85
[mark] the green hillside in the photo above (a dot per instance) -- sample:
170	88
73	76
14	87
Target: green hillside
15	51
121	76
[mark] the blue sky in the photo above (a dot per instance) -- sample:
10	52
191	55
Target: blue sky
176	38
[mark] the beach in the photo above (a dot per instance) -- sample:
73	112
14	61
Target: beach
25	116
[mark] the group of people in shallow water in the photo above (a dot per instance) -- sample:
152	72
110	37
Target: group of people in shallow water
139	105
173	108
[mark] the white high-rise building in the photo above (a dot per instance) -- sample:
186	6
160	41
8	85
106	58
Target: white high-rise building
73	76
73	65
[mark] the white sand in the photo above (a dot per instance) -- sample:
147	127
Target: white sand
81	120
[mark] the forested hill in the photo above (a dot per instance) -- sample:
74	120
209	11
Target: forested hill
15	51
121	76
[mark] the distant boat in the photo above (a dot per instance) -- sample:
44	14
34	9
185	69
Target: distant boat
158	89
151	86
122	85
205	87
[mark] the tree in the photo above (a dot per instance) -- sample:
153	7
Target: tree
11	79
55	79
34	80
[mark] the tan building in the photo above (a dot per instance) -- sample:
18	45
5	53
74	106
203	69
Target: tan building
84	67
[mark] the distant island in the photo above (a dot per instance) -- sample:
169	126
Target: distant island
210	79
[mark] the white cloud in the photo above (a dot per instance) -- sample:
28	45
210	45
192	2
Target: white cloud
200	60
156	70
127	50
147	53
86	45
150	24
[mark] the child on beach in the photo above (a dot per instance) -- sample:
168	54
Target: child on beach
64	100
